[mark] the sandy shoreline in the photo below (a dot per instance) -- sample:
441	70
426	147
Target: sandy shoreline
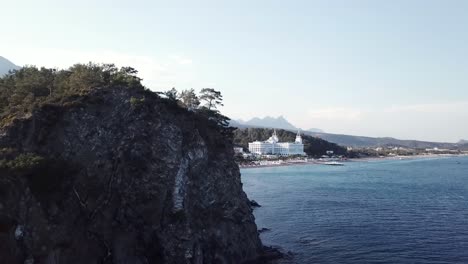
317	162
284	164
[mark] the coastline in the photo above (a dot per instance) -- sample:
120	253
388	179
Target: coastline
284	164
317	162
421	156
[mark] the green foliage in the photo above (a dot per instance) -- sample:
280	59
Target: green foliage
189	99
312	146
24	161
125	76
171	94
211	97
136	102
22	89
42	174
221	121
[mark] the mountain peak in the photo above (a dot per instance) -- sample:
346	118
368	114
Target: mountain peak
6	65
269	122
316	130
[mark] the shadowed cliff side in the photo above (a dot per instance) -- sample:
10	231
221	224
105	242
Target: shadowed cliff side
121	175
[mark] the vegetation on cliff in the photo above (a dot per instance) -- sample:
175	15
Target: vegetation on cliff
205	104
23	89
94	168
27	88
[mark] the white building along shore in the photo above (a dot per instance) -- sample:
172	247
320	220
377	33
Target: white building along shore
272	146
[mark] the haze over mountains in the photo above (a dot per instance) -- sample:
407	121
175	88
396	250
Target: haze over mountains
269	122
282	123
6	65
362	141
344	140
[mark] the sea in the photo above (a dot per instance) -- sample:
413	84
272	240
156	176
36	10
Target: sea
382	211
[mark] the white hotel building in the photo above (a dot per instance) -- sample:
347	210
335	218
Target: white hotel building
272	146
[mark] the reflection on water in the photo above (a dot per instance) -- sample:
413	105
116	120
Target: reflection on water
411	211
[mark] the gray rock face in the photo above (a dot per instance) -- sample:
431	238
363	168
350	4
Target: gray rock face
123	183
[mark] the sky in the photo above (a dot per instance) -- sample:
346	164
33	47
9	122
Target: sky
374	68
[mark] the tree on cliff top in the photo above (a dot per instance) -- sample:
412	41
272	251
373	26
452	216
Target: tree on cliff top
211	97
171	94
189	99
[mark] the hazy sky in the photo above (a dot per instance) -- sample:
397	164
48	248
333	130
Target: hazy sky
376	68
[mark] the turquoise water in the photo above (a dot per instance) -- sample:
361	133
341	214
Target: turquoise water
393	211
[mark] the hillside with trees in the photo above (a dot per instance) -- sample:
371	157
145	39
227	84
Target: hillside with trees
91	163
363	142
25	89
312	146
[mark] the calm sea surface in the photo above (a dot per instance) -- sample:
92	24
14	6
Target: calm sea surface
393	211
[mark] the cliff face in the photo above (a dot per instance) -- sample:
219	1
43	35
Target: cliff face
121	176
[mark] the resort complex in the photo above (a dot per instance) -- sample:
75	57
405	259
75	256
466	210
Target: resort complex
272	146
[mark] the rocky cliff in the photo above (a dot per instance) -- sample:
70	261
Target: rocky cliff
121	176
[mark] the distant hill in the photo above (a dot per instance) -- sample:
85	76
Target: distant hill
360	141
316	130
312	146
462	141
343	140
269	122
464	147
266	122
6	65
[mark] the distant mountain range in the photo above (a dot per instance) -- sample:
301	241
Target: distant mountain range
343	140
266	122
361	141
269	122
6	65
317	130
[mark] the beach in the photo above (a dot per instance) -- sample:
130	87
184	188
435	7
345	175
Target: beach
281	163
